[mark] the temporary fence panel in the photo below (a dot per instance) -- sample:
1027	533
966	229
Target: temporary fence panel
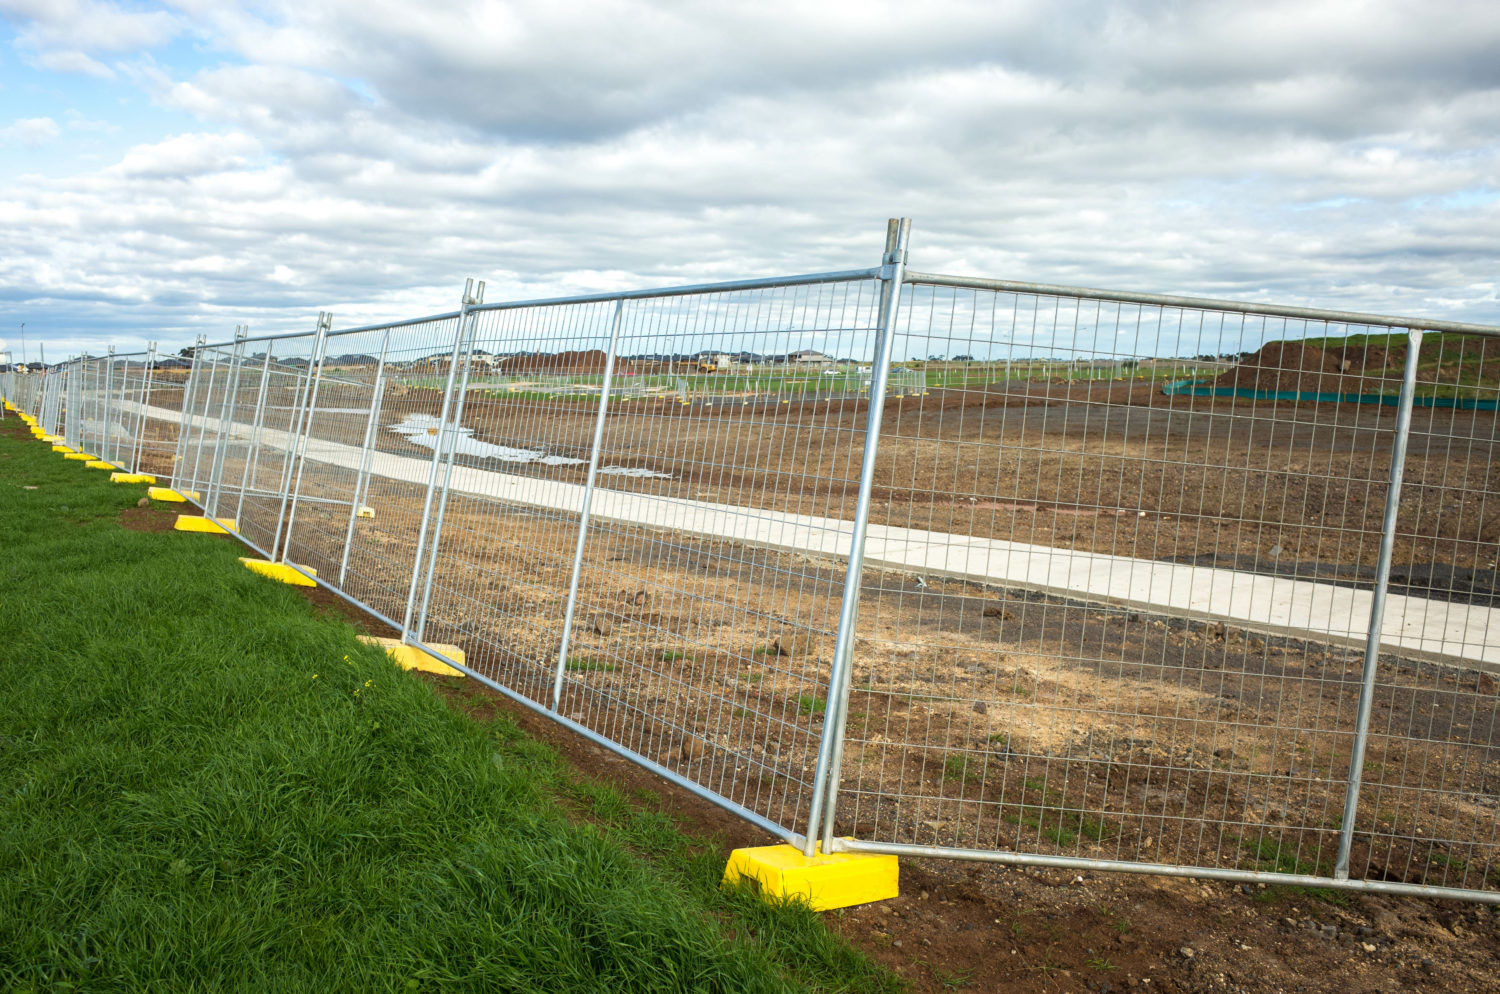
368	463
1112	624
890	561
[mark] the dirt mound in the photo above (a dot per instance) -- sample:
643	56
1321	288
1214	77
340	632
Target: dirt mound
590	361
1296	366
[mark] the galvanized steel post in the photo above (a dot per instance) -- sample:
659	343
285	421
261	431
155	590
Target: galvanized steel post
377	393
215	490
185	421
252	454
294	433
470	299
1377	604
831	748
319	353
588	498
145	402
208	394
450	433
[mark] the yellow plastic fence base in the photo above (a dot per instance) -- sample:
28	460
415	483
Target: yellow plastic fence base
50	439
280	572
167	493
838	880
213	526
61	448
409	657
100	464
131	478
364	512
80	456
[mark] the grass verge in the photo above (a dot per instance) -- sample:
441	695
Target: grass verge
205	785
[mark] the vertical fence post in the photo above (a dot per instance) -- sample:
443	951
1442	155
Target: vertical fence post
189	386
451	433
252	455
831	748
319	353
106	406
293	434
588	499
1377	604
471	299
208	395
377	395
226	419
138	446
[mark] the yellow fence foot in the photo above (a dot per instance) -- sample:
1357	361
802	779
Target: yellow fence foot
80	456
281	572
213	526
364	512
838	880
100	464
409	657
61	448
131	478
168	494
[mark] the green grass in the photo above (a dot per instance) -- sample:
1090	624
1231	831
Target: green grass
808	704
206	786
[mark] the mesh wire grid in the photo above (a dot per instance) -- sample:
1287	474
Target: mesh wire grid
1118	585
707	577
1119	569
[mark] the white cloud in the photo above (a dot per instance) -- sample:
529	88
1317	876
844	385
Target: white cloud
88	25
31	131
368	155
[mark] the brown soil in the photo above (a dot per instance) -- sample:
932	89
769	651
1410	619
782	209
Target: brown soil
590	361
1293	366
969	926
148	519
1181	743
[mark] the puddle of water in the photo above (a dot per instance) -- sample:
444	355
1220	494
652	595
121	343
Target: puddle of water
421	429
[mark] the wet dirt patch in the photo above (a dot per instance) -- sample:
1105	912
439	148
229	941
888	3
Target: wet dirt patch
147	519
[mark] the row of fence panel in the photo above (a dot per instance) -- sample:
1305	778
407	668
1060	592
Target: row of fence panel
1139	583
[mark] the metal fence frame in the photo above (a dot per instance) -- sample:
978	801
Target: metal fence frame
225	434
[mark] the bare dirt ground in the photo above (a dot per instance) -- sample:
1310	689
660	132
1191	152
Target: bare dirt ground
979	718
976	927
1002	720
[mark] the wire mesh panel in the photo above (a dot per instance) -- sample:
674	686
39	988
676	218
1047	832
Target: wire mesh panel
368	459
707	581
1118	582
1429	799
266	422
1142	584
201	426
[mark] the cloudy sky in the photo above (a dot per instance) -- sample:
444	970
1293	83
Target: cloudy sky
180	168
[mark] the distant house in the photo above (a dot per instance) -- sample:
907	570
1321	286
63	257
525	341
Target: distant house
809	357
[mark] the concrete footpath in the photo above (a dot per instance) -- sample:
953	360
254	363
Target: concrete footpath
1413	626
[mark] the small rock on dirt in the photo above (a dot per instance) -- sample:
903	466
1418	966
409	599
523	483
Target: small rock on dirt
981	708
795	644
692	748
996	611
1186	952
601	625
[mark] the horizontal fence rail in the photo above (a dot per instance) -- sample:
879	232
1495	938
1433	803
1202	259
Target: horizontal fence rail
890	561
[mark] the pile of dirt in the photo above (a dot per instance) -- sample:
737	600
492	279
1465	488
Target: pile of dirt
589	361
1296	366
